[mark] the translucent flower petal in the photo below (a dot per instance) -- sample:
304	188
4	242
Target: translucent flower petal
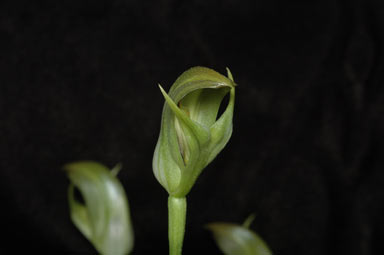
104	218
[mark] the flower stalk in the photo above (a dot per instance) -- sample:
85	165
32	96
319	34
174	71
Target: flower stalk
177	210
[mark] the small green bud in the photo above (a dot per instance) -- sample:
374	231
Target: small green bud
191	135
104	219
234	239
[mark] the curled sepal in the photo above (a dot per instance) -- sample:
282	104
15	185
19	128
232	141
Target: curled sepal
104	217
192	133
234	239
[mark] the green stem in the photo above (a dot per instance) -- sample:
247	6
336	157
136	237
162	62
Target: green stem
177	210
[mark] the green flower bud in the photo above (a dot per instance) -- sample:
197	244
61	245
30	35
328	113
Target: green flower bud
191	135
234	239
104	219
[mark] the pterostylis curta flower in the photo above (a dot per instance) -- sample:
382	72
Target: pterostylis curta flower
104	217
234	239
191	136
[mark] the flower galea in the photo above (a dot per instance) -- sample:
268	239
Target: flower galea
192	133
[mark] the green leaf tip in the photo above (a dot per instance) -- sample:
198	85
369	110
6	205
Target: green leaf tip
230	76
192	133
116	169
104	217
248	221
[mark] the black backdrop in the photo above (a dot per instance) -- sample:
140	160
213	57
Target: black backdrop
78	80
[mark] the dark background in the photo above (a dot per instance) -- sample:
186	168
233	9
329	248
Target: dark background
78	80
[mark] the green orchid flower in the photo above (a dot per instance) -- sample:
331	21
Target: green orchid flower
104	217
235	239
191	135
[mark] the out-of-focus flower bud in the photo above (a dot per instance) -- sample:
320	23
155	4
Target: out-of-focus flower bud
104	217
234	239
191	133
